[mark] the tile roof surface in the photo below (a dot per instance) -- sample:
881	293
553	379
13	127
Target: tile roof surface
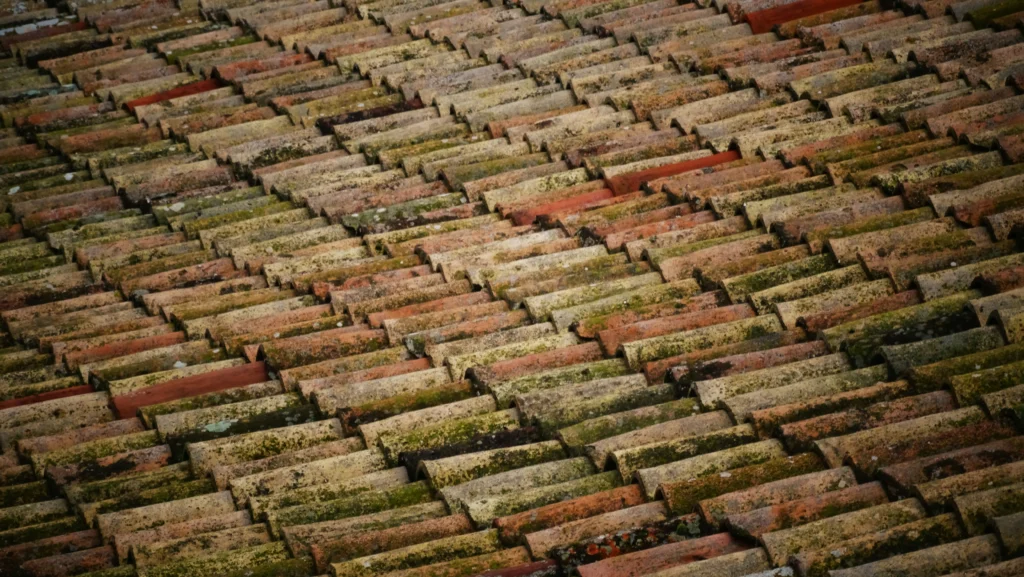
537	288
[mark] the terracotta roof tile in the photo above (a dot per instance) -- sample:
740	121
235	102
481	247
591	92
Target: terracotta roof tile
954	556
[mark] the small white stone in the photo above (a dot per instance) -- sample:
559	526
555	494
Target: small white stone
69	176
180	365
176	207
14	189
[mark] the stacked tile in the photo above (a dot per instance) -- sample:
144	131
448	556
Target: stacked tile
417	288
